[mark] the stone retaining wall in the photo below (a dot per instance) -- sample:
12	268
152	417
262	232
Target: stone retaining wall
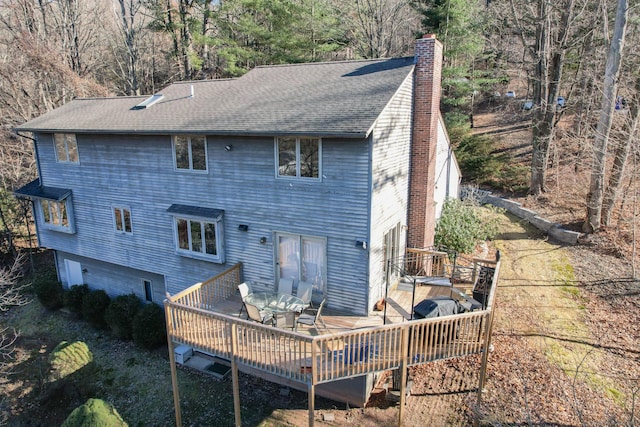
552	229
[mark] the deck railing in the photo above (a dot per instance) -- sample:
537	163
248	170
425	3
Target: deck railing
313	360
210	292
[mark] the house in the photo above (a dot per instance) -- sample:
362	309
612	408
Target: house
318	172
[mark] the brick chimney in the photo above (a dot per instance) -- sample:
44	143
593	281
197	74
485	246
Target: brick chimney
426	112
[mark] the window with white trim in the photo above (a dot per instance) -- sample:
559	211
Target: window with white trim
56	215
298	157
198	232
190	153
66	147
122	220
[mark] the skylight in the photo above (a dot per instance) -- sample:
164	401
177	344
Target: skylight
149	102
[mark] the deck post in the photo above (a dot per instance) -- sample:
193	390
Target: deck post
172	362
311	395
311	387
234	375
483	368
403	373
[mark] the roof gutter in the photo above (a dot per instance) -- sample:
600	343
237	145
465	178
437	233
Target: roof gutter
210	132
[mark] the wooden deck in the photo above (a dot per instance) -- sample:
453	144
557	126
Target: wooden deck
398	311
207	317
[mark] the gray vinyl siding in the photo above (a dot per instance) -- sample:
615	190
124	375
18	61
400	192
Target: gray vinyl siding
113	279
390	160
137	172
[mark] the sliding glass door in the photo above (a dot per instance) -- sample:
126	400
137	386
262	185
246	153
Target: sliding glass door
302	258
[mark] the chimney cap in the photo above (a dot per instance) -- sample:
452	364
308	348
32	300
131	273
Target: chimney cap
429	36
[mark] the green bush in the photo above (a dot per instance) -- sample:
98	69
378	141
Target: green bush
461	226
120	313
475	155
73	298
94	306
48	290
149	328
68	358
95	413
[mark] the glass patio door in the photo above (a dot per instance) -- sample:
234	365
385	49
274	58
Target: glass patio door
302	258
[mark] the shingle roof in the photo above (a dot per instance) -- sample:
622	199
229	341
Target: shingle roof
332	98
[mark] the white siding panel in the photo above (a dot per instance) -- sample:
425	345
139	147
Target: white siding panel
447	170
390	159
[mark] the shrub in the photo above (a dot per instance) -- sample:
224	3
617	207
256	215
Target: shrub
73	298
94	305
149	328
68	358
48	290
460	227
94	412
120	313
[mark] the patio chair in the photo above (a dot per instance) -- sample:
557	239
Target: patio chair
310	318
304	292
245	289
260	316
284	320
285	286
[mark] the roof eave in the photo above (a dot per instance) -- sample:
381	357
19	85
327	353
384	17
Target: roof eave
210	132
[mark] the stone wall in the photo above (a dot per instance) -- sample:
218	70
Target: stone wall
552	229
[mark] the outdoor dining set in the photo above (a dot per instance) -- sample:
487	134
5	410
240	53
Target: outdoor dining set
280	307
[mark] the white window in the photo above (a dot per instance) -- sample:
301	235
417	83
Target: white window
190	153
122	219
391	251
298	157
56	215
302	258
198	232
66	147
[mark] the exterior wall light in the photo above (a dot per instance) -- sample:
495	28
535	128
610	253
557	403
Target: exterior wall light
228	147
243	227
361	244
263	240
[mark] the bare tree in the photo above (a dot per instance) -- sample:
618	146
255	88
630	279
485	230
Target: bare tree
612	71
381	28
12	294
547	31
621	155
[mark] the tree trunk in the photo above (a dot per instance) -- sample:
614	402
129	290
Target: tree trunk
546	87
612	193
601	139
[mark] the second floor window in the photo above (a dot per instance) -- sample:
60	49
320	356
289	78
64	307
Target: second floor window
122	219
66	147
298	157
190	152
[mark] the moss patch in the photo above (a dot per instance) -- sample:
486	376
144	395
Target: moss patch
68	358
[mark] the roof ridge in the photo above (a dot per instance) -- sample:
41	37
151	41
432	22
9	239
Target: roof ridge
101	98
343	61
226	79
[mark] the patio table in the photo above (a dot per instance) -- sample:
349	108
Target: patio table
277	302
